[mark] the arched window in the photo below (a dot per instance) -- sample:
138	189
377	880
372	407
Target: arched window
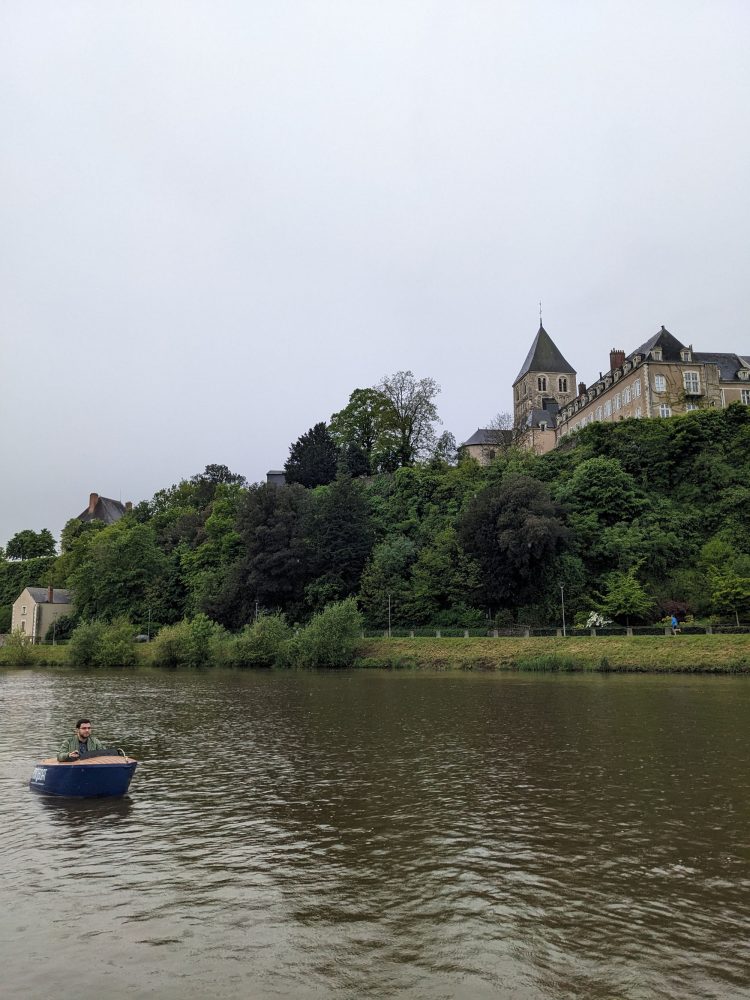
562	384
541	383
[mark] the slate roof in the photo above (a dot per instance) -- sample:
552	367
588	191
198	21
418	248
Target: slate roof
39	595
670	346
487	436
548	416
106	510
729	364
544	357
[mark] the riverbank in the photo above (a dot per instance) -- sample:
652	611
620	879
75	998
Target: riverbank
636	654
716	654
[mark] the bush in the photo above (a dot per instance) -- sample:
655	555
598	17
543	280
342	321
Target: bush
17	651
170	647
330	640
260	644
85	647
189	643
117	648
61	629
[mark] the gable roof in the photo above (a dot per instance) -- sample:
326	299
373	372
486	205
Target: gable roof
39	595
544	357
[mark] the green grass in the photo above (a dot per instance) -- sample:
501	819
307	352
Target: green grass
649	654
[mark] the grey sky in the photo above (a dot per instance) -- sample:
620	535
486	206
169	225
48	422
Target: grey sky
217	219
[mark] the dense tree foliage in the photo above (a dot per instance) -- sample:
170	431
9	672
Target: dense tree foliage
634	519
30	545
313	458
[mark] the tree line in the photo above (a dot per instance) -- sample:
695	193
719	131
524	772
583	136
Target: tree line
634	520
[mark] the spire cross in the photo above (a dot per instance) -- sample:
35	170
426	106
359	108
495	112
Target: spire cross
540	313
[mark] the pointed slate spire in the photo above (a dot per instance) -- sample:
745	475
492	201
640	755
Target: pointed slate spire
544	357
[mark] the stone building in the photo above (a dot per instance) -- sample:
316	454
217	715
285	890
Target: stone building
660	378
36	608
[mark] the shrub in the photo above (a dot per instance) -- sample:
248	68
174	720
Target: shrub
170	647
117	649
17	651
85	647
189	643
61	629
330	640
259	644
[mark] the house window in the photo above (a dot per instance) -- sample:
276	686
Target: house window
626	395
665	411
492	454
660	383
656	354
636	388
541	383
598	413
518	393
23	609
608	408
562	384
23	625
691	406
618	401
692	382
525	388
686	356
638	413
745	394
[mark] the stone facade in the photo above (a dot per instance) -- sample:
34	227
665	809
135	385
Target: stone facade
36	608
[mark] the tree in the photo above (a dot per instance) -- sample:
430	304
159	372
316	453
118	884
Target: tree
121	572
30	544
340	538
360	432
624	597
730	594
206	482
515	532
410	415
275	565
313	458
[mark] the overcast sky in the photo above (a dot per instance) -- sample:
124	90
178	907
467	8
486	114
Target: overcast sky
217	219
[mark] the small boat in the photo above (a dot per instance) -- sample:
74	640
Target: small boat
104	772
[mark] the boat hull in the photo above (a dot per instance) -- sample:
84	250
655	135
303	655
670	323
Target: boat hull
83	779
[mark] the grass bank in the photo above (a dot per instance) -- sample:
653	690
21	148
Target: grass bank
632	654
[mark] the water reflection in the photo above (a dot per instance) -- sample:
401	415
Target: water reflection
373	835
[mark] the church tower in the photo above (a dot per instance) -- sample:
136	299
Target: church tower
545	383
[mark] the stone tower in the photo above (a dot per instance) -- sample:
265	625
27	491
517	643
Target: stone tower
545	383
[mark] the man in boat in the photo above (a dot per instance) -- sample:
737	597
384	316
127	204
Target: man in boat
83	741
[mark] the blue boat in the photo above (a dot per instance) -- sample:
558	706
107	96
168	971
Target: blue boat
107	773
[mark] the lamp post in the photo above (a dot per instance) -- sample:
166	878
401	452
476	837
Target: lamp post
562	602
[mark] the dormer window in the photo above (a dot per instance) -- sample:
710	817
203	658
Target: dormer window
656	354
686	355
542	426
744	374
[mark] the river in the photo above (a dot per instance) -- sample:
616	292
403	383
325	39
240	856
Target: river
378	835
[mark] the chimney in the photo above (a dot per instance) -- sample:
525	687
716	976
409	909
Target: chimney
581	388
616	359
93	501
50	595
129	505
